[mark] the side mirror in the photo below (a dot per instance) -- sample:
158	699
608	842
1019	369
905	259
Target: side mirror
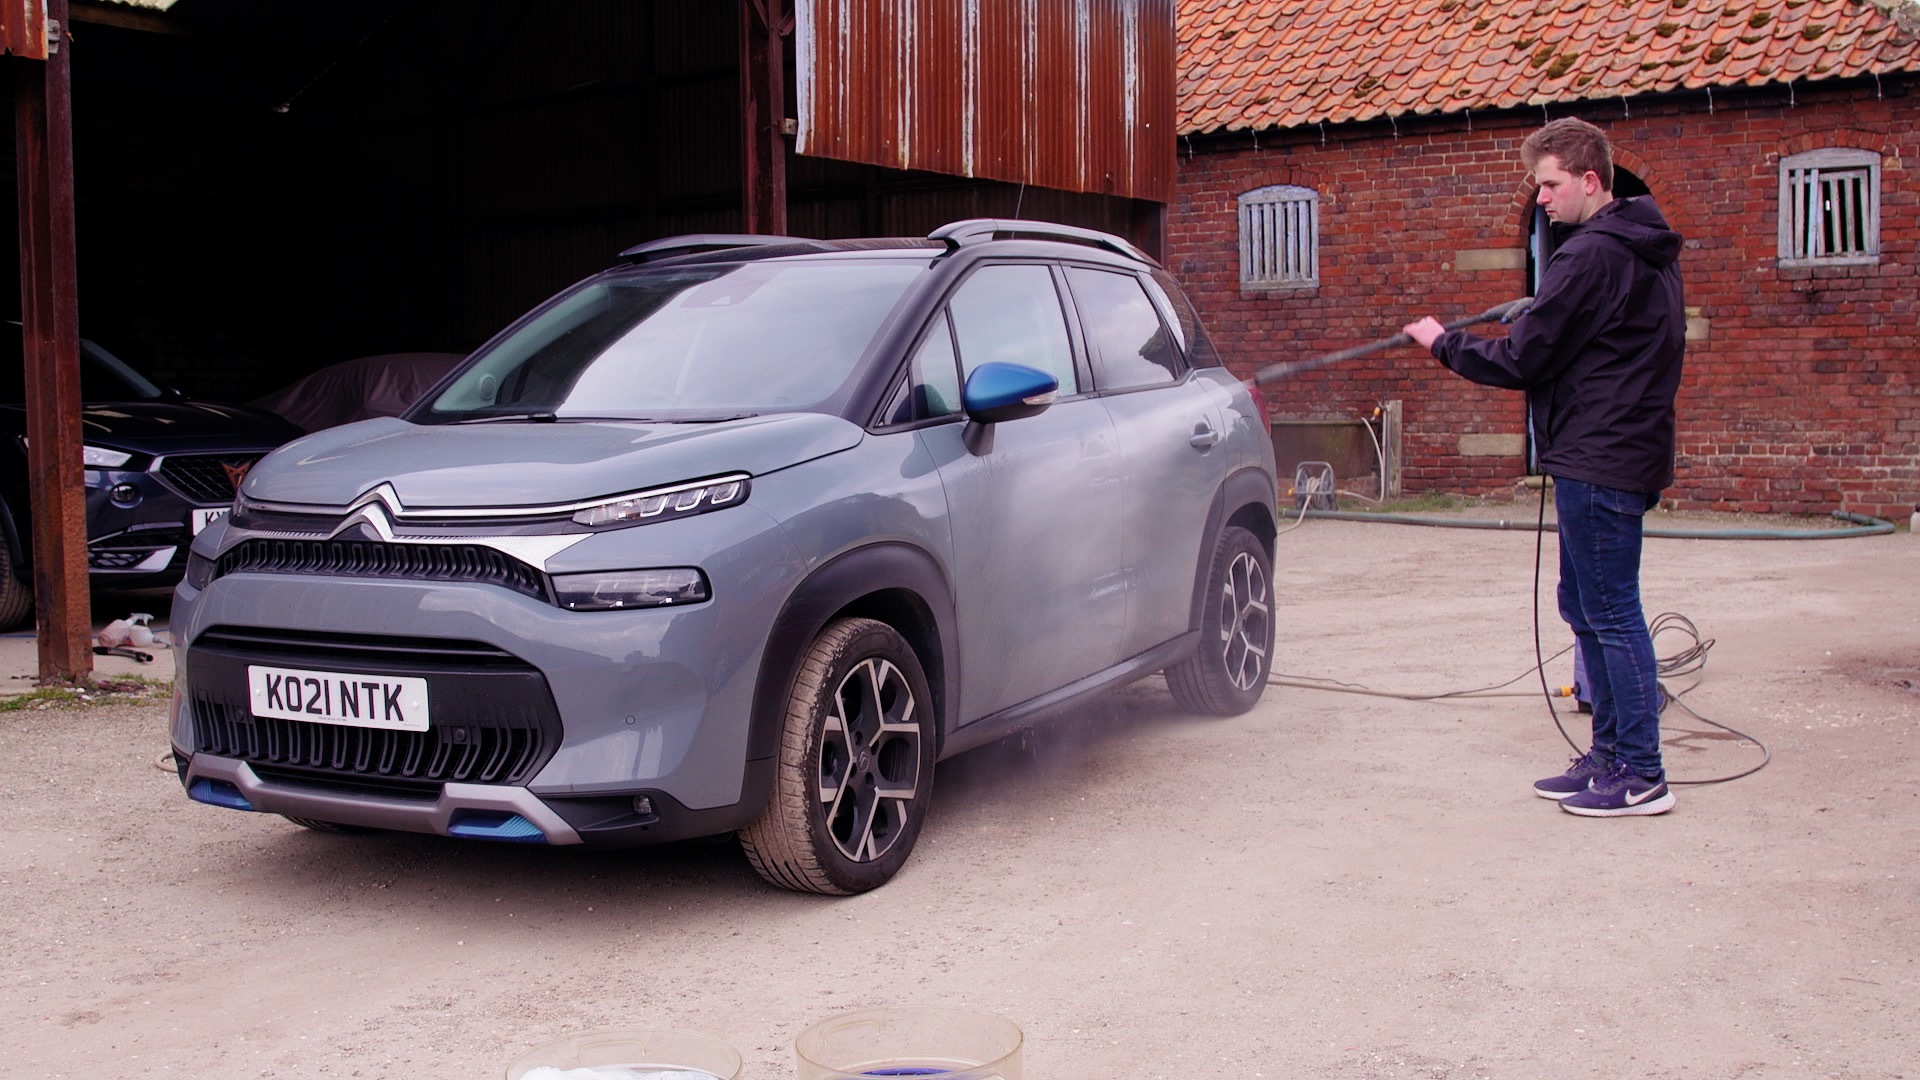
997	392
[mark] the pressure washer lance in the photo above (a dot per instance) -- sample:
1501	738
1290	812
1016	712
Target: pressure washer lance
1504	313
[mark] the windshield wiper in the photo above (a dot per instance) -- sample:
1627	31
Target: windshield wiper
497	418
554	418
572	419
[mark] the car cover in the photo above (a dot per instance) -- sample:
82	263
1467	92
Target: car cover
359	389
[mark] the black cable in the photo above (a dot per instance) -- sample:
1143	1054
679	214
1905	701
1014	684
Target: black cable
1688	661
1546	693
1283	679
1766	755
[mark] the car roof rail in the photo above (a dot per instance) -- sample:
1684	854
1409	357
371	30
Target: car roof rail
979	230
694	243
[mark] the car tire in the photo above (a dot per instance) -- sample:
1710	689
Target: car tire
332	827
16	596
1229	671
855	771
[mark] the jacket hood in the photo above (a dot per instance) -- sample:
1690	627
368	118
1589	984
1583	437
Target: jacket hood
533	464
1637	223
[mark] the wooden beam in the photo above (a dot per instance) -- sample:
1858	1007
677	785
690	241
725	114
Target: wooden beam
313	42
50	333
764	26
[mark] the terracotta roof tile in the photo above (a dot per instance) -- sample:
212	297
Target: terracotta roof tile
1283	63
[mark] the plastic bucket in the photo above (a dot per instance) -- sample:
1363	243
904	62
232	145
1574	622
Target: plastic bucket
929	1041
624	1054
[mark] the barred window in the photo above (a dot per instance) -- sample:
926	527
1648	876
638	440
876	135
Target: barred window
1830	208
1280	238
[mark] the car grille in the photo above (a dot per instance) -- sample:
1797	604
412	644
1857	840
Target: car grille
208	479
492	755
494	721
377	559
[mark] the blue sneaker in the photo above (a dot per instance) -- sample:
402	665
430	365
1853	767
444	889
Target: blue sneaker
1621	793
1578	777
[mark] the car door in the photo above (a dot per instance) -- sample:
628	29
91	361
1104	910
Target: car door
1171	431
1035	504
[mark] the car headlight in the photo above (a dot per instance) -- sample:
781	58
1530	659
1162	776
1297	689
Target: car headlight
617	590
99	457
95	457
659	504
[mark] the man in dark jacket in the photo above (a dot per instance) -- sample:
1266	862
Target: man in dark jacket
1599	357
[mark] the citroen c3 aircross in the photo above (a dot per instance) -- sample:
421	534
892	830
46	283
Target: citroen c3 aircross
740	536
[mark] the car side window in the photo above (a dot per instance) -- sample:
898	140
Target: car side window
1132	345
1011	314
933	377
1200	350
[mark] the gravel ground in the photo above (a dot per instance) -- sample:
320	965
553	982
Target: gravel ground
1331	886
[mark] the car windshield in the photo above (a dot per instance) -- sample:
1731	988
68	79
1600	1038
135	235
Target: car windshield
691	343
104	377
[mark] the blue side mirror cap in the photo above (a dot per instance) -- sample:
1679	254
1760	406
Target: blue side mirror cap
997	392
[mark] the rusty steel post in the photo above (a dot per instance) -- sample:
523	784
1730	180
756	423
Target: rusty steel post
43	124
764	26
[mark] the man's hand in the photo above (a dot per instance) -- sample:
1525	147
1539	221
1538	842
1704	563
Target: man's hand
1426	331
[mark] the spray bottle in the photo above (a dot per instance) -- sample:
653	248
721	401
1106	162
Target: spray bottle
131	630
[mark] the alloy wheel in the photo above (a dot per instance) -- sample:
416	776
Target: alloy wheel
869	763
1245	609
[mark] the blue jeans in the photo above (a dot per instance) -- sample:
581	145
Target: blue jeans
1600	599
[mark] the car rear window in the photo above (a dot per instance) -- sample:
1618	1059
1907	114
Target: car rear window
692	342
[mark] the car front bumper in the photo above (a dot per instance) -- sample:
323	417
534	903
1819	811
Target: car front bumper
546	725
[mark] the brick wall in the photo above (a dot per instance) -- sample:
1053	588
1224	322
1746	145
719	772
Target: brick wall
1799	394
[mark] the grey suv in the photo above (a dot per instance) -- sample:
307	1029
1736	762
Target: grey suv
739	536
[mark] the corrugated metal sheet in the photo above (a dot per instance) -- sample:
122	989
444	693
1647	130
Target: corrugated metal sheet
23	28
1068	94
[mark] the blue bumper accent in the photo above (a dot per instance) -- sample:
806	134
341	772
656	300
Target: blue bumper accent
218	793
482	825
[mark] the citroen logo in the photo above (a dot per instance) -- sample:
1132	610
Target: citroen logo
374	510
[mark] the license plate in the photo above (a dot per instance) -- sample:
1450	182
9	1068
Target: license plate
392	702
204	518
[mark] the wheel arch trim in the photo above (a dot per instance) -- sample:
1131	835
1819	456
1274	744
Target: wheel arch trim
835	587
1246	498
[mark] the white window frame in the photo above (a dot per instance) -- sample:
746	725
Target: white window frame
1280	238
1830	208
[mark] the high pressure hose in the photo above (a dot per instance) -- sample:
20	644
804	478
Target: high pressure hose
1688	661
1506	313
1864	526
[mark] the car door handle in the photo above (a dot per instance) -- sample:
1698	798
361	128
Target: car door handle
1203	436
